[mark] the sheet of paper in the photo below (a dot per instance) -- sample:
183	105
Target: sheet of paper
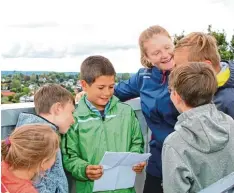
118	173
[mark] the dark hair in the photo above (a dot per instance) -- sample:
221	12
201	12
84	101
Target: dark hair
49	94
194	82
94	67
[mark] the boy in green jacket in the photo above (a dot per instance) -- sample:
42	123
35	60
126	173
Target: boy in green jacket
102	123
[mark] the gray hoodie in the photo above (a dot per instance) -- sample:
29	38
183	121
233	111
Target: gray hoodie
199	152
54	180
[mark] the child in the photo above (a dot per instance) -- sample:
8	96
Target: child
102	124
54	106
200	151
28	151
150	84
201	47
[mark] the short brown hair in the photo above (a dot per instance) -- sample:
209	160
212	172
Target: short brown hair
94	67
195	83
49	94
29	145
201	47
145	36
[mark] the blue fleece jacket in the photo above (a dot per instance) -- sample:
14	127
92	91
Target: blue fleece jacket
54	180
151	85
224	97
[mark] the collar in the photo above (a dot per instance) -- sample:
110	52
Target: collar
94	109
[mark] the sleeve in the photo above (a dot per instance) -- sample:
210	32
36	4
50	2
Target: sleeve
128	89
230	109
137	137
71	155
176	175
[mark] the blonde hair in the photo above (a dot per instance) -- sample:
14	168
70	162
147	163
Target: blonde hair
29	145
201	47
195	83
145	36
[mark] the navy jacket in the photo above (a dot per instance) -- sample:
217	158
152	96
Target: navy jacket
224	97
151	85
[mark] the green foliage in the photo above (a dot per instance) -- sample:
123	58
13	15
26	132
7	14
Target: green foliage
13	90
26	78
26	90
125	76
33	78
10	98
16	84
178	37
225	48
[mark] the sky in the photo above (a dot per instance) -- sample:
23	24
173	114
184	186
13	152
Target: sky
49	35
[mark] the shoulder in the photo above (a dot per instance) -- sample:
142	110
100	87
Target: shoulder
124	107
171	139
224	96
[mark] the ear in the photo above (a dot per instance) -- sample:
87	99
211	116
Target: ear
84	85
208	62
42	165
177	97
56	108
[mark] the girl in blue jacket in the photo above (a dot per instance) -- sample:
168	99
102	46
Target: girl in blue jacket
151	85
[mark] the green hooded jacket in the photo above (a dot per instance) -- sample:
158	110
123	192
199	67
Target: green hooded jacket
92	135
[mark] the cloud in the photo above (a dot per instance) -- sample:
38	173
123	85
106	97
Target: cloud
38	50
35	25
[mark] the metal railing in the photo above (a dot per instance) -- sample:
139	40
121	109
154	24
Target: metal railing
9	117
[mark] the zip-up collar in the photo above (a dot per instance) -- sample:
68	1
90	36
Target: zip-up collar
94	109
85	108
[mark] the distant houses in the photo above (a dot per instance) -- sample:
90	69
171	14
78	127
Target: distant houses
25	99
6	93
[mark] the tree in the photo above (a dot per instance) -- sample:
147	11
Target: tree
10	98
33	78
15	84
224	48
13	90
78	76
125	76
178	37
26	78
232	47
26	90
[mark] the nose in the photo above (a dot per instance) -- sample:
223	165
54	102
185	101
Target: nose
107	92
165	54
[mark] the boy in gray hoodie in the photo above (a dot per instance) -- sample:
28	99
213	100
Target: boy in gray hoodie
200	151
54	105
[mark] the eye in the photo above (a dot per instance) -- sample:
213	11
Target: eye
155	53
100	88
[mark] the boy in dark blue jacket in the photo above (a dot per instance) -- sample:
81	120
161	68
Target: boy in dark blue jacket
201	47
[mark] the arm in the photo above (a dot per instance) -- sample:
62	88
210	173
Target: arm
128	89
230	109
176	174
71	155
137	144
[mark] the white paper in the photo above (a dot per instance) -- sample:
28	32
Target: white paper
118	173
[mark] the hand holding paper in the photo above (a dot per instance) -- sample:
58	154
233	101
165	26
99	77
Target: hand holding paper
139	167
94	172
120	170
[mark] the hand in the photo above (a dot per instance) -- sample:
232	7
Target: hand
94	172
139	167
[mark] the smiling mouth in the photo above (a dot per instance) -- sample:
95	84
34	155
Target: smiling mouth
167	61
